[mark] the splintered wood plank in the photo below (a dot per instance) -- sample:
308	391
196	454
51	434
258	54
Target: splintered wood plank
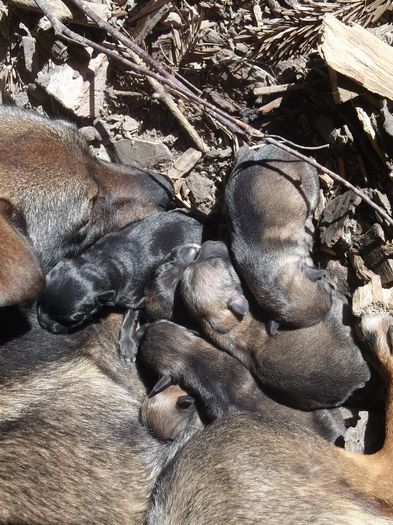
359	55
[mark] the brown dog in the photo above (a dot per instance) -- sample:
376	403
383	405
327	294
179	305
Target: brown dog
251	469
270	198
65	197
73	449
168	411
314	367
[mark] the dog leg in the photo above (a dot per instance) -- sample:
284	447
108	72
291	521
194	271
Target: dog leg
128	345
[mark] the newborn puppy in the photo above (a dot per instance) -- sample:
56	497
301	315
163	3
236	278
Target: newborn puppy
113	272
270	198
220	382
169	411
313	367
161	298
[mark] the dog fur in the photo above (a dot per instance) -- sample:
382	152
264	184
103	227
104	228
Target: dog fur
270	199
248	468
314	367
168	411
220	383
115	271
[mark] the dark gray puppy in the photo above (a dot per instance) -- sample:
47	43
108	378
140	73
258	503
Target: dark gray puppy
270	197
113	272
161	298
312	367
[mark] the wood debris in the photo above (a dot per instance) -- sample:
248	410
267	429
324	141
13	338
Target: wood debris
359	55
372	298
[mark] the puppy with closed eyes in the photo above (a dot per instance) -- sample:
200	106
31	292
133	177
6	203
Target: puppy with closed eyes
162	300
168	411
271	196
113	272
313	367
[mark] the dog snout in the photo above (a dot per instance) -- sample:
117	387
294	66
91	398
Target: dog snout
47	322
213	249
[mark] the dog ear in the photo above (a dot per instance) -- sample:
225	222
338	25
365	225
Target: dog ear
21	276
105	298
238	304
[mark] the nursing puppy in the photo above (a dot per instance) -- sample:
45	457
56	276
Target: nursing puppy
220	383
248	468
114	272
168	411
270	198
314	367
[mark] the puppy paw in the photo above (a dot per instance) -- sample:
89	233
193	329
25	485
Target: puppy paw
128	348
377	332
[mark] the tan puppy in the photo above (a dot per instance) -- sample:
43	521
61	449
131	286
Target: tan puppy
270	198
168	411
251	469
313	367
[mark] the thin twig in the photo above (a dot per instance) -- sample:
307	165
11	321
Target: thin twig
166	98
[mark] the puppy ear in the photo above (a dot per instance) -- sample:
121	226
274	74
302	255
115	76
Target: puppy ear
104	298
238	304
314	274
21	276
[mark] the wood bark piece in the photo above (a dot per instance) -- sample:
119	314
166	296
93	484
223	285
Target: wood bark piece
64	13
372	298
283	88
337	216
185	163
359	55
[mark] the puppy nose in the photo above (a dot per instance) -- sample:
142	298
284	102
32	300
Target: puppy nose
213	249
48	323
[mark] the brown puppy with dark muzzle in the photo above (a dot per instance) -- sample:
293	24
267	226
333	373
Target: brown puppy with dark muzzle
168	411
315	367
66	197
219	382
73	449
270	197
247	468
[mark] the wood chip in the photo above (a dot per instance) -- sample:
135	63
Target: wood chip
63	13
185	163
357	54
372	298
270	90
337	217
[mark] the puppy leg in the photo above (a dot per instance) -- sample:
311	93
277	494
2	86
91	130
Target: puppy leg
128	345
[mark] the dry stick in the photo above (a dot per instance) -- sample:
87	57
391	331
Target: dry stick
221	116
63	31
167	99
